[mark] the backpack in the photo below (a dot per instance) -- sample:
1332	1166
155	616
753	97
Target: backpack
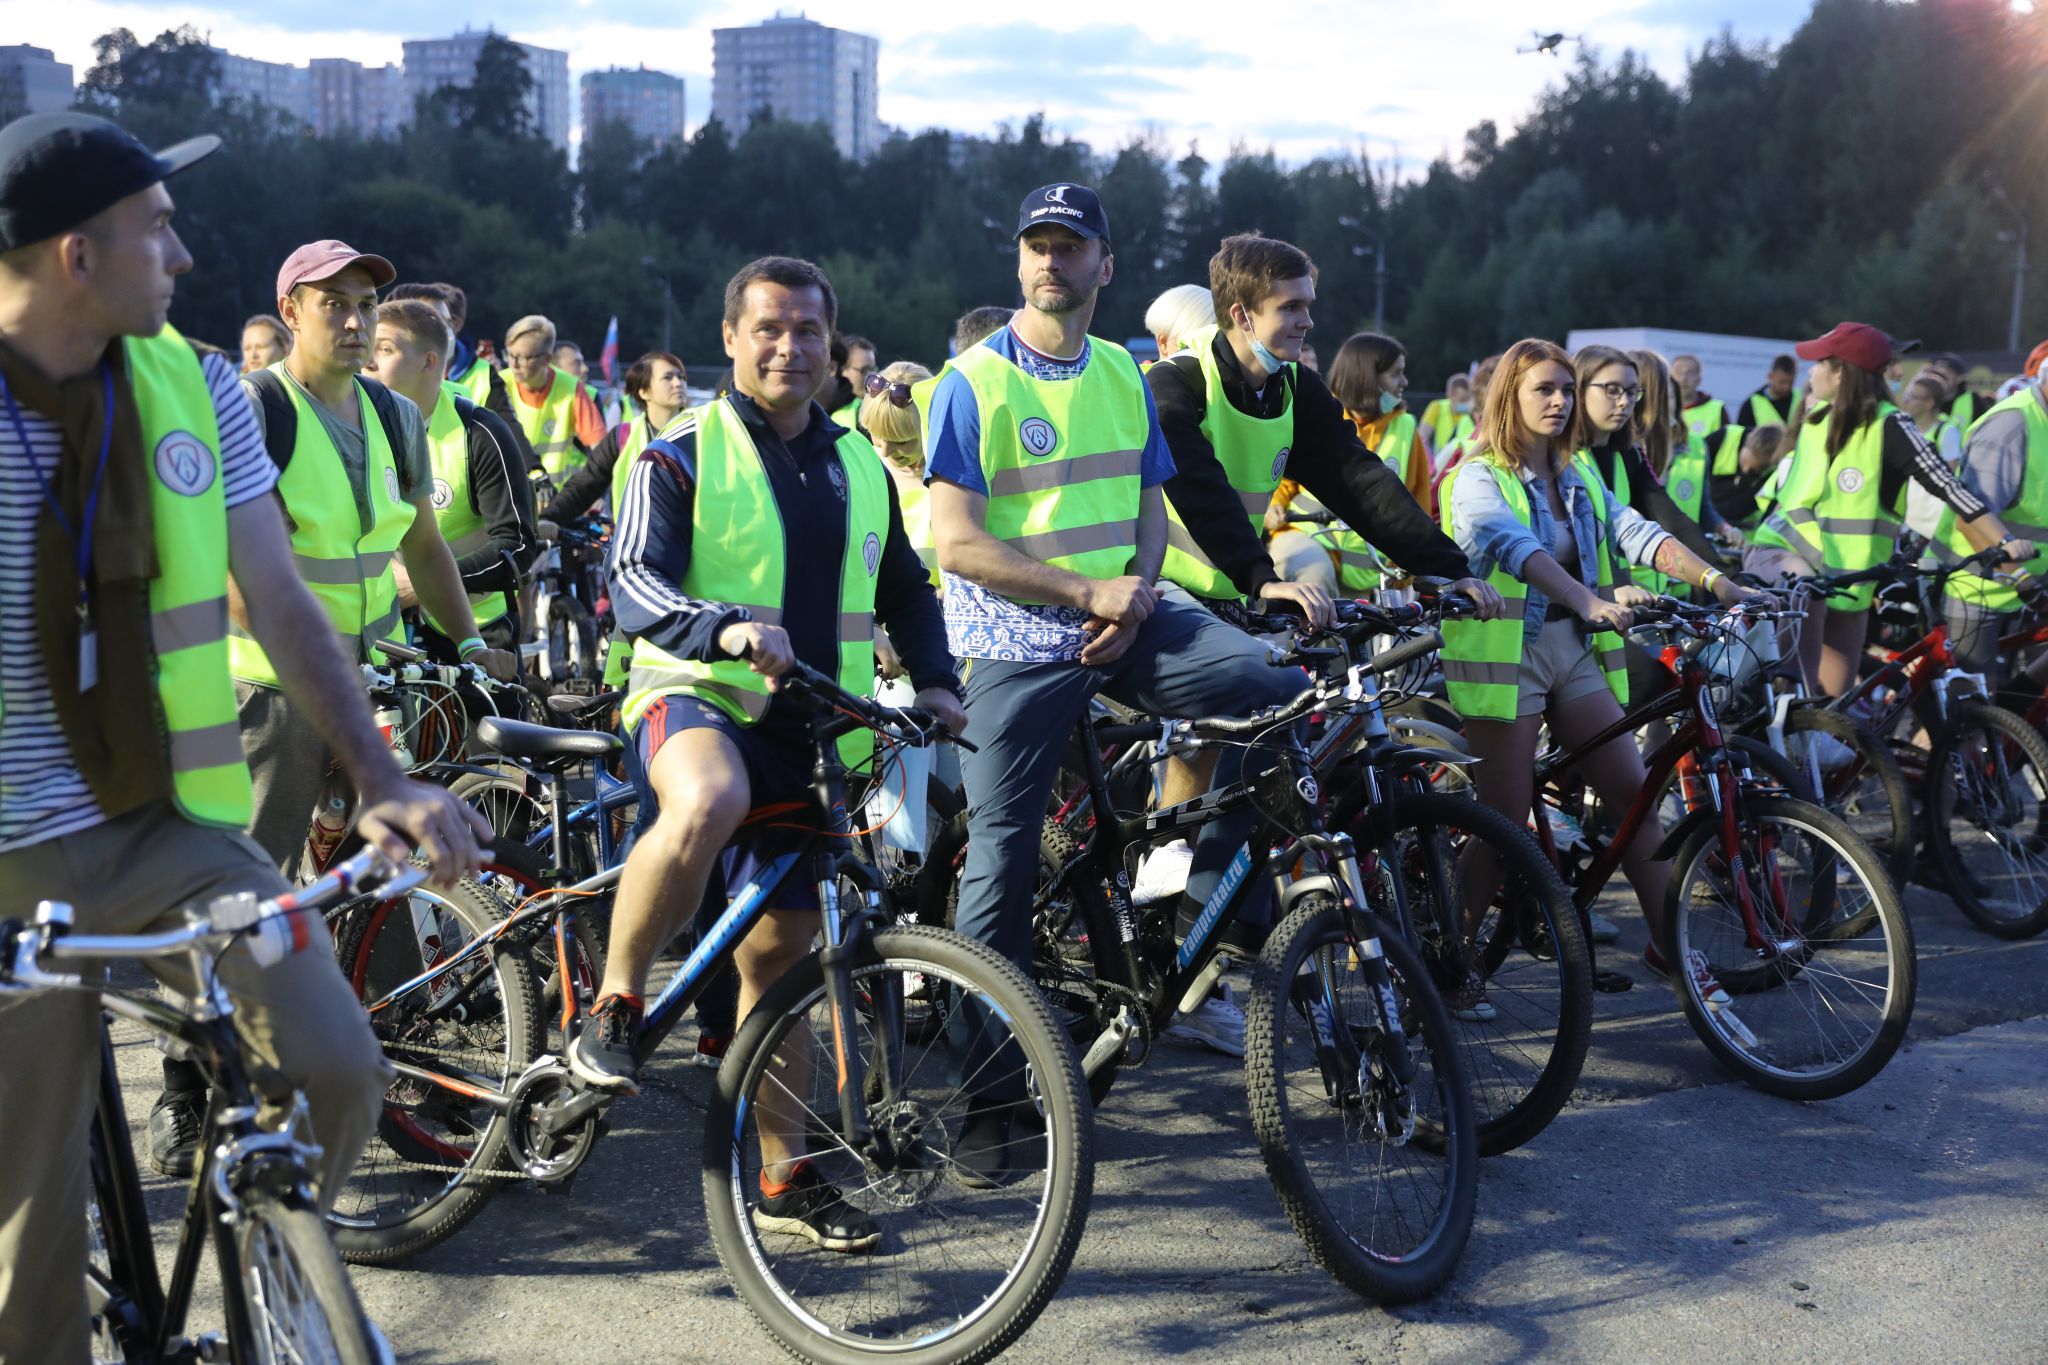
281	415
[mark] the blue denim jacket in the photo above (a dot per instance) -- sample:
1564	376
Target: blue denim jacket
1492	536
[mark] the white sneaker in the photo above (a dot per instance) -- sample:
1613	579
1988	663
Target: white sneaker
1217	1023
1162	873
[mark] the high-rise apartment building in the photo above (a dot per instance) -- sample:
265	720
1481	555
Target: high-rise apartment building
431	63
349	98
648	102
35	77
280	85
800	71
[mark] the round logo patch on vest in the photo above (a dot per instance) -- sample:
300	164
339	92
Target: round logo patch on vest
184	464
1038	436
391	483
1684	491
547	426
871	554
1849	480
1280	462
443	494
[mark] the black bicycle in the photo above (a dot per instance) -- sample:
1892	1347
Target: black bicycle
1358	1091
285	1291
839	1064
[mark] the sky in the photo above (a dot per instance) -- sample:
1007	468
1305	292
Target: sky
1400	82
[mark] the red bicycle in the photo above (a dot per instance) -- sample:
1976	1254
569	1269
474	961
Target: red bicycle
1774	897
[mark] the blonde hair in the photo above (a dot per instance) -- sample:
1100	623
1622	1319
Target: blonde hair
886	422
1504	430
532	322
1179	313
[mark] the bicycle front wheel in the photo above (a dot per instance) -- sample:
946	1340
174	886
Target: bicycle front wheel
296	1294
951	1264
1805	934
1525	1029
1378	1176
473	1017
1987	819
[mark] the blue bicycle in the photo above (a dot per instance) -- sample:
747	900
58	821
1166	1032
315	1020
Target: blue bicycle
837	1065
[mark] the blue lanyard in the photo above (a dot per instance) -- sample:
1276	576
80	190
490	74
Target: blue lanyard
80	536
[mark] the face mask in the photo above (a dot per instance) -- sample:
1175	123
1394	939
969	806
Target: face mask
1389	401
1462	409
1273	363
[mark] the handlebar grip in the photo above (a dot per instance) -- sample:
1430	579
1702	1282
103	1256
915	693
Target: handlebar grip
1407	652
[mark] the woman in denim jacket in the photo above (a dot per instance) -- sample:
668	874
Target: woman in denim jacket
1551	557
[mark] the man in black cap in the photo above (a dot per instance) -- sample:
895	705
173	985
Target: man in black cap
1047	470
132	485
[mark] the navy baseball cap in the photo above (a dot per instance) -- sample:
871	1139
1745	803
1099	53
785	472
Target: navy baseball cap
1075	207
59	170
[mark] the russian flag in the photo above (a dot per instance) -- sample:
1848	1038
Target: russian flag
608	361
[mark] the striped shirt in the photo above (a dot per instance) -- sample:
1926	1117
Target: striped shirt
42	794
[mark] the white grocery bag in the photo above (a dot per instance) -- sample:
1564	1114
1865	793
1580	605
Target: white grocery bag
899	797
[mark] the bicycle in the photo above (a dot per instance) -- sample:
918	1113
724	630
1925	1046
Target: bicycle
477	1103
1349	1054
570	610
1983	777
1788	909
285	1292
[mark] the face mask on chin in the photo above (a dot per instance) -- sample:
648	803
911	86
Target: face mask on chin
1388	401
1462	409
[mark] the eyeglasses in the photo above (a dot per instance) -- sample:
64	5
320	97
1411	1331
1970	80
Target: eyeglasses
1619	393
874	386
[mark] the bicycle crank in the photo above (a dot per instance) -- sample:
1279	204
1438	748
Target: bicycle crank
539	1143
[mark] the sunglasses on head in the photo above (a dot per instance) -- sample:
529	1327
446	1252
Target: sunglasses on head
875	386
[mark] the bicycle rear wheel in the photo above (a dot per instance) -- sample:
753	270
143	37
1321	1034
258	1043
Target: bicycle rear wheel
429	1169
1526	1045
1822	978
1987	819
958	1272
300	1304
1379	1181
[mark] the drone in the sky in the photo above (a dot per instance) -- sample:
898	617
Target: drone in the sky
1549	43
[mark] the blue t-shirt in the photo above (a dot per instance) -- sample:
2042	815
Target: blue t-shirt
981	624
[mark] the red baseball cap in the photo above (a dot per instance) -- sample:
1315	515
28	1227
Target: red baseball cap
2036	359
317	261
1853	343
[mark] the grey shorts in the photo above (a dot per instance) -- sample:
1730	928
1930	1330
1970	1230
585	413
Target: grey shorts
1557	667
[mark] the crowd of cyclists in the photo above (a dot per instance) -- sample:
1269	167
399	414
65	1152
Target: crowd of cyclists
200	557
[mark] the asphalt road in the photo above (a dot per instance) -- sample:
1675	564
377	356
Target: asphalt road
1666	1214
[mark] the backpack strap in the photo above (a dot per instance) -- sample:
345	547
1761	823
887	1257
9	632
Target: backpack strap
387	413
280	417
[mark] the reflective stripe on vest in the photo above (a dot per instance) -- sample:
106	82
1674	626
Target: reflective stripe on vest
737	556
345	561
1359	567
1482	659
462	526
1797	483
2027	518
1253	453
551	427
1085	519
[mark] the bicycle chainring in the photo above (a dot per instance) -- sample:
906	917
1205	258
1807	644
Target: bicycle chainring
541	1155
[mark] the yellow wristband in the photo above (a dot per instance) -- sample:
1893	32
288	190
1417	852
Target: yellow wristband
1712	575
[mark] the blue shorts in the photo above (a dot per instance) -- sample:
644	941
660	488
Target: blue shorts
776	774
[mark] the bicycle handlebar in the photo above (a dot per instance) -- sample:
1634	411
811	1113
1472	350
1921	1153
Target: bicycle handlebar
912	725
274	927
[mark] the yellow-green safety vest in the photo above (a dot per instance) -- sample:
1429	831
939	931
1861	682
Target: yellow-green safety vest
1253	453
2027	518
1483	659
551	428
188	599
1441	419
1786	502
345	559
1834	505
1358	564
1706	419
1062	457
737	556
1761	414
462	526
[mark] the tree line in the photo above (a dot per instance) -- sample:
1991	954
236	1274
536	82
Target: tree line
1877	165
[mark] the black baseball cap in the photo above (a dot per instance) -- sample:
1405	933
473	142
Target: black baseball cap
1075	207
58	170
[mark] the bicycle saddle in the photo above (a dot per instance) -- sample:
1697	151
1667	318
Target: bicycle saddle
518	739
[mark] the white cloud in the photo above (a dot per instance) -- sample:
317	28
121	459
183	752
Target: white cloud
1397	79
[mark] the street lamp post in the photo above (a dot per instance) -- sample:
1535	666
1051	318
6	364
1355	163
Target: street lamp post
1378	251
667	298
2019	286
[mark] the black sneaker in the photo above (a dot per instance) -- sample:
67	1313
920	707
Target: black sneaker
810	1206
981	1154
174	1125
603	1053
